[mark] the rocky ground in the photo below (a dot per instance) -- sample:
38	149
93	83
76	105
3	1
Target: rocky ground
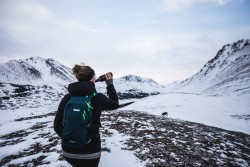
162	141
155	140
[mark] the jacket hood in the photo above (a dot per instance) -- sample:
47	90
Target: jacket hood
82	88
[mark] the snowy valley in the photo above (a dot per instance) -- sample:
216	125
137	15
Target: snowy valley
208	120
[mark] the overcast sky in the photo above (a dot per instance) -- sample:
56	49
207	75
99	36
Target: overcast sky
166	40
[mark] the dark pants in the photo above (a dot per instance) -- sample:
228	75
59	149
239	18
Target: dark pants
83	162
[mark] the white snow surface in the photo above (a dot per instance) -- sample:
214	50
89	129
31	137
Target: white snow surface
220	111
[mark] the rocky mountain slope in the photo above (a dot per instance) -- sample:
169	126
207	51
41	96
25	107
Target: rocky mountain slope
24	76
131	86
35	71
227	73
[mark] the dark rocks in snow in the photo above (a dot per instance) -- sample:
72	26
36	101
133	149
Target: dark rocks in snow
167	142
134	94
245	117
165	114
22	90
138	95
36	117
14	96
105	149
4	98
237	45
58	71
34	73
18	91
155	140
37	148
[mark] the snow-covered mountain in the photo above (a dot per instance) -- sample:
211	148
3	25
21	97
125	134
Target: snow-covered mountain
131	86
37	71
34	71
228	73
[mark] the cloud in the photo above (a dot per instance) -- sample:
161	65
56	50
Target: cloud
24	20
30	21
177	5
35	10
26	9
78	26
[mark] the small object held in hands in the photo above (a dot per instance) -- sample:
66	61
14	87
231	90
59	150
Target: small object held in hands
102	78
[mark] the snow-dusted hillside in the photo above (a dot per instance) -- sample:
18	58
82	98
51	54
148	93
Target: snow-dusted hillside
228	73
35	71
131	86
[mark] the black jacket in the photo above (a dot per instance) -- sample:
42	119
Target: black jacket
100	102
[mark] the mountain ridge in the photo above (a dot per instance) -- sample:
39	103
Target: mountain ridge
227	73
30	65
40	72
34	71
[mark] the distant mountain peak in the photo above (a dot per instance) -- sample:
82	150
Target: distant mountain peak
35	58
35	70
226	55
135	78
227	73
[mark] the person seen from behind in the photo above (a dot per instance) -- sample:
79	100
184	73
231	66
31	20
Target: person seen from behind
77	152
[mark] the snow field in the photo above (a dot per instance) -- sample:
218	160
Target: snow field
221	112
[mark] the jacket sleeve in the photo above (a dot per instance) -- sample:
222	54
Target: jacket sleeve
112	102
58	121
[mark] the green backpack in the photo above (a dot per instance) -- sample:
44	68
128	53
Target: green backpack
77	128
